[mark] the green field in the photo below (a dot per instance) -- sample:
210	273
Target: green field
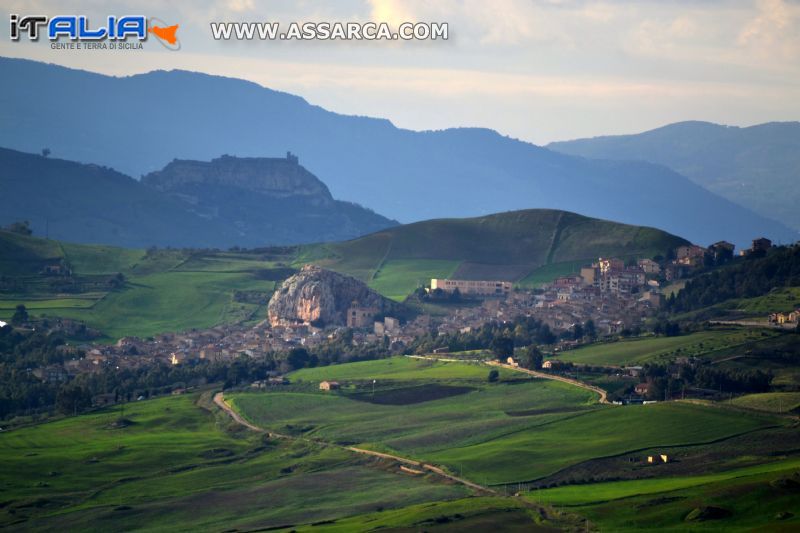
773	402
650	349
547	273
397	369
530	455
99	259
398	278
784	299
56	303
177	466
518	241
167	301
470	514
763	497
164	291
170	290
605	492
512	431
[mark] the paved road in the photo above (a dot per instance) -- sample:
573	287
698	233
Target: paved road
602	393
219	399
597	390
753	323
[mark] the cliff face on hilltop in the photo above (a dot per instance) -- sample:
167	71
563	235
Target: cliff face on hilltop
266	200
275	177
322	297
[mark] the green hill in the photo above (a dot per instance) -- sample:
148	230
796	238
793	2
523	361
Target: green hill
527	246
173	290
161	290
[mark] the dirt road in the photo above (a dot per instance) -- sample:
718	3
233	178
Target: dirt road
219	400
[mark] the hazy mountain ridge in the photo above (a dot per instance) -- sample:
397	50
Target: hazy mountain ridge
756	166
93	204
402	174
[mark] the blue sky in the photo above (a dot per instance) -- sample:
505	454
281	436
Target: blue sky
535	70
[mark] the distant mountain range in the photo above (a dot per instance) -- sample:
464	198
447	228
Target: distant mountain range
757	167
137	124
226	202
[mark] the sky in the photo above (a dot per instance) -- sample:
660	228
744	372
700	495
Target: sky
539	71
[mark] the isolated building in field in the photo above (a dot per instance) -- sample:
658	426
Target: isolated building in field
329	385
472	287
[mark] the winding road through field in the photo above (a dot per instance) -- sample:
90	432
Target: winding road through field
219	400
543	375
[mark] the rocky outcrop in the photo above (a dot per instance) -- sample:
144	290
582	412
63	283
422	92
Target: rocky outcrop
322	297
272	176
265	200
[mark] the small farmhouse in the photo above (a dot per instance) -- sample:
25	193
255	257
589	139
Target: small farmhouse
329	385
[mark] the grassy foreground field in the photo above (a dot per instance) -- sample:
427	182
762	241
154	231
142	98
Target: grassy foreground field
164	290
773	402
650	349
173	465
398	369
763	497
517	430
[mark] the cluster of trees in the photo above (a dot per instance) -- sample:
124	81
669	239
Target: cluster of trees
21	392
501	338
666	382
752	276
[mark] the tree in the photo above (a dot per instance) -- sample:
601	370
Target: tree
118	281
532	358
494	375
298	358
45	152
589	329
502	347
20	315
73	399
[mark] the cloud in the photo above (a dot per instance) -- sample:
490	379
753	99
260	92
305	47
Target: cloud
774	31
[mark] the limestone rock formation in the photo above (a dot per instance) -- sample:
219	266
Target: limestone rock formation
273	176
322	297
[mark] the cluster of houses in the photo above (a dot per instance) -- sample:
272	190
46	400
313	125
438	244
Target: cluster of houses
785	319
613	294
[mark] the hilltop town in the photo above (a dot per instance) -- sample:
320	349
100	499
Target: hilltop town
314	307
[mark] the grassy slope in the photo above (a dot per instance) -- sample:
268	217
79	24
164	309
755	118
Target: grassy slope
503	433
616	490
531	455
167	291
773	402
751	495
398	278
641	350
25	256
177	468
172	291
531	239
472	514
396	368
